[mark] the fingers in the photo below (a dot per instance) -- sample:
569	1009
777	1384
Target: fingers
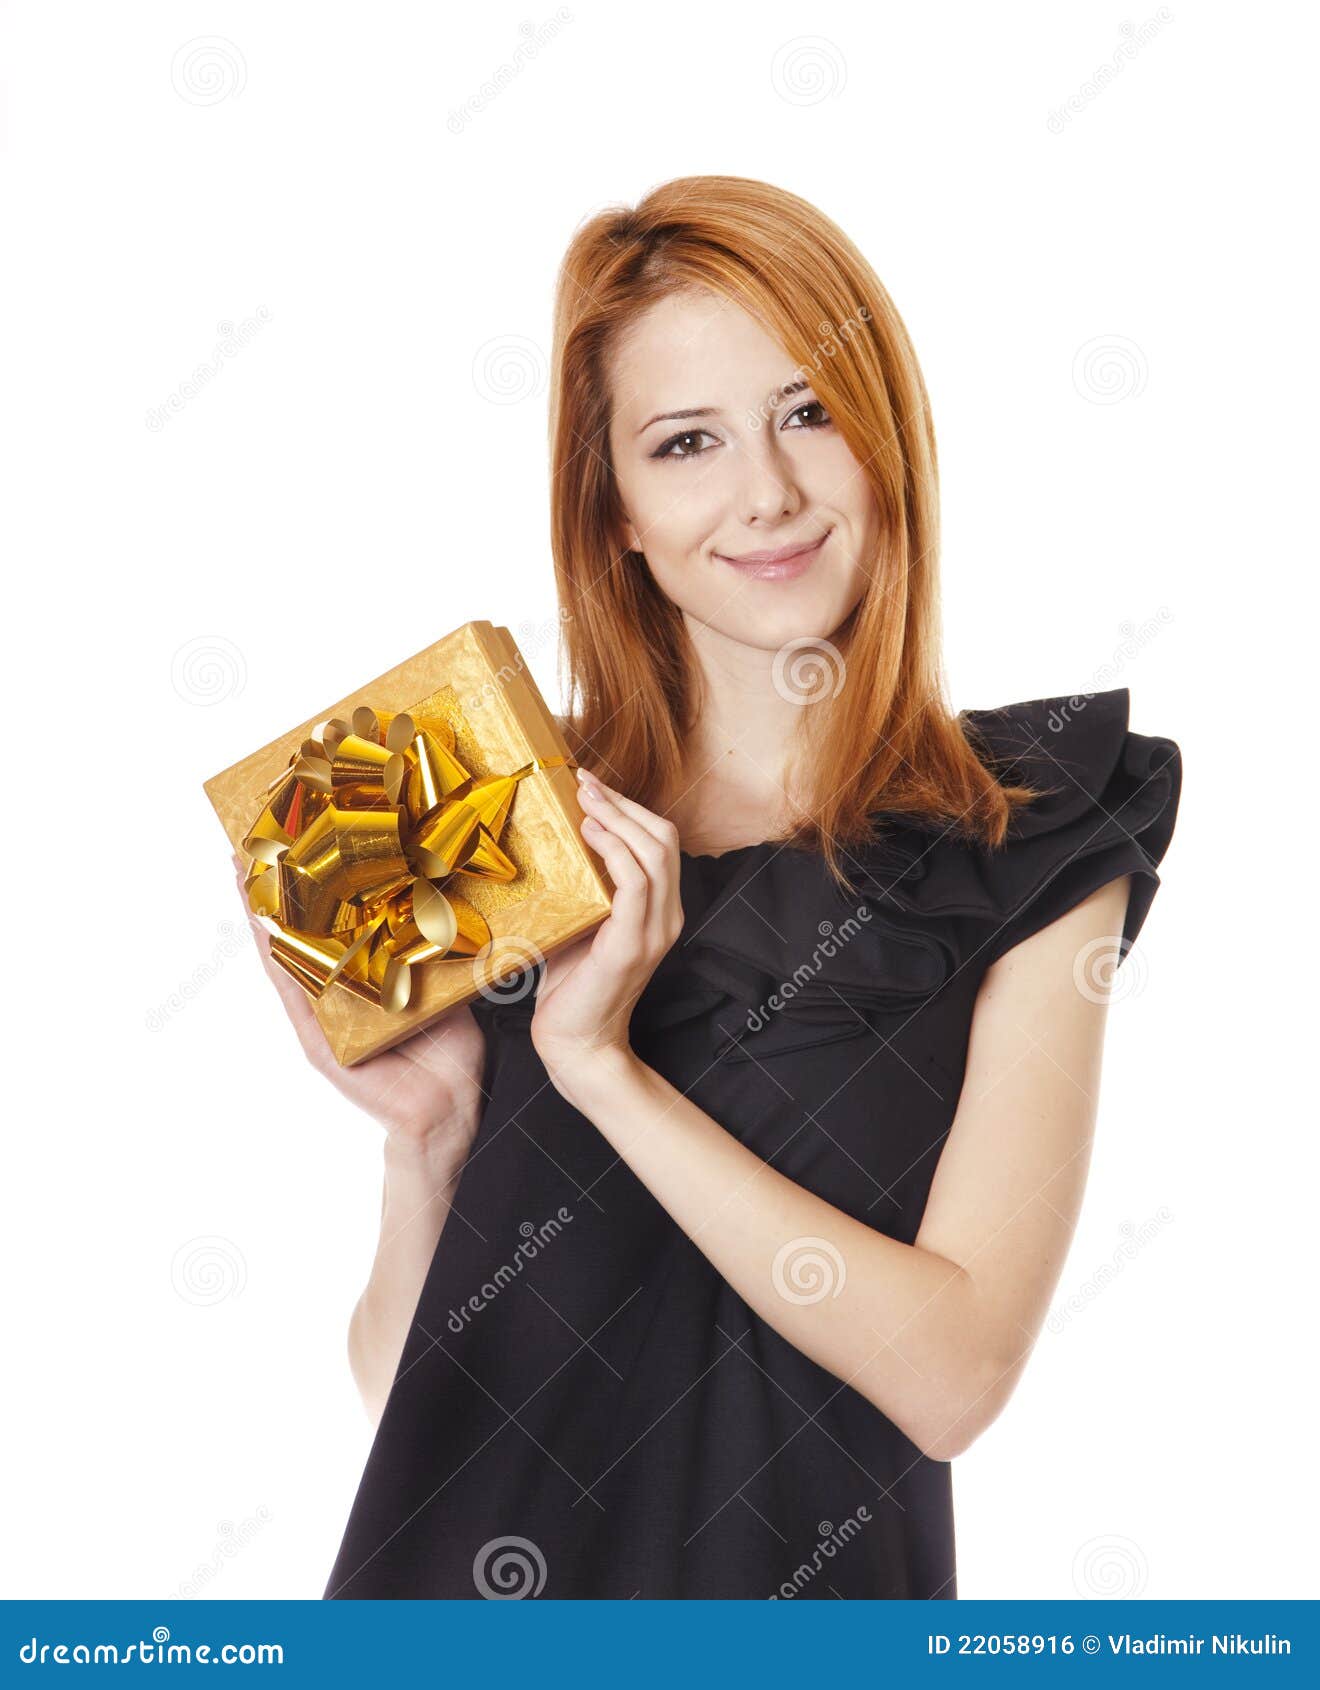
660	827
604	809
632	884
642	858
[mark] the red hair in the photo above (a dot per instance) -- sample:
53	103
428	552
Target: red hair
887	738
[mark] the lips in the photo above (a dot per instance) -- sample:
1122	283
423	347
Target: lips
782	565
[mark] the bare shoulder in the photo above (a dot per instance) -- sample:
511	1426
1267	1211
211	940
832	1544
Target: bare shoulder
1076	938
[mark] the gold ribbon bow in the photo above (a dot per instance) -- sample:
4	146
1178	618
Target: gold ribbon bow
357	836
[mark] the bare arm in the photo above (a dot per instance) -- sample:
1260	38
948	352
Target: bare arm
415	1204
935	1334
427	1094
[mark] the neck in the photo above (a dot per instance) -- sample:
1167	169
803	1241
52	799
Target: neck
737	784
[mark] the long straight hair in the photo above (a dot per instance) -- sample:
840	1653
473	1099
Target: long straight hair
882	736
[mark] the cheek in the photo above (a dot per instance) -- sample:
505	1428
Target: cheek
684	508
843	492
835	481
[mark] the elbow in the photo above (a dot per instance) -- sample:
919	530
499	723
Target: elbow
955	1418
372	1402
952	1440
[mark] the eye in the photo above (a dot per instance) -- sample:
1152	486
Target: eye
688	434
800	410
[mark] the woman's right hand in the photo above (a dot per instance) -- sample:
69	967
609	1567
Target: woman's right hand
426	1092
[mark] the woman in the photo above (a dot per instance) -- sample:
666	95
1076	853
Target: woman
701	1260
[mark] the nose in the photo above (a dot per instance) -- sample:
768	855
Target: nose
769	491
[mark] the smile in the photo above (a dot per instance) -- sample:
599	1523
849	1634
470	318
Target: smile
786	564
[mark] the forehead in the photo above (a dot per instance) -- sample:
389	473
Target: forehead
693	348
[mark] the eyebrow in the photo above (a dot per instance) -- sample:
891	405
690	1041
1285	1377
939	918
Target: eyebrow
713	410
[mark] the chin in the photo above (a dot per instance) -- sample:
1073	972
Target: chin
774	629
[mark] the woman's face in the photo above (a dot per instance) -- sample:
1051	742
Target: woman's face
751	469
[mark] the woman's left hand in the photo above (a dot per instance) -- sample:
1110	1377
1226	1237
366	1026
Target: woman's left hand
588	990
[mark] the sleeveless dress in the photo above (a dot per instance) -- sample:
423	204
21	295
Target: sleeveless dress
584	1407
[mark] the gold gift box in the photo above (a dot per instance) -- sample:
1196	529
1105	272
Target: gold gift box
476	681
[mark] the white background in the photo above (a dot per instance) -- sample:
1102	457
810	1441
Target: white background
1114	310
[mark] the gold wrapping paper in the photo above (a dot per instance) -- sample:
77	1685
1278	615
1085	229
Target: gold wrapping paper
496	877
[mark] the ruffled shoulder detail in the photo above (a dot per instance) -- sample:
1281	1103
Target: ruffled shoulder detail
1109	800
783	958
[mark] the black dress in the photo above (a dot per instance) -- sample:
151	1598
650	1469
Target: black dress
584	1408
